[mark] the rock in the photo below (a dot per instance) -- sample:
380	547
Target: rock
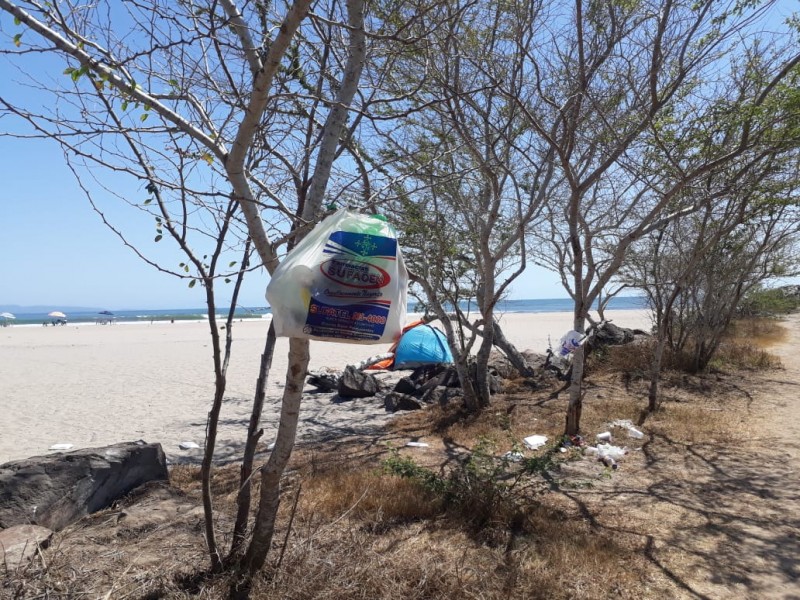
405	386
357	384
502	366
609	334
20	542
441	395
495	382
58	489
324	381
395	401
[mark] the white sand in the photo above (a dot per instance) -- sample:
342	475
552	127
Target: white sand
91	385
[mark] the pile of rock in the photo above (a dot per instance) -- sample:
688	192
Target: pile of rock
44	494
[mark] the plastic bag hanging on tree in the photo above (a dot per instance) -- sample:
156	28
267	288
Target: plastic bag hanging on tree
344	282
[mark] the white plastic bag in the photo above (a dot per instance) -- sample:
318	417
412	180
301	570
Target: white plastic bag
344	282
570	342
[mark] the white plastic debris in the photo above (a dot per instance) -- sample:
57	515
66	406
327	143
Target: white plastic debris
591	451
513	456
271	446
417	445
615	452
188	445
604	437
628	425
534	442
61	446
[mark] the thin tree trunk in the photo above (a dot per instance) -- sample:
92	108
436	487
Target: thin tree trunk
272	472
253	435
655	372
482	364
514	356
211	430
573	424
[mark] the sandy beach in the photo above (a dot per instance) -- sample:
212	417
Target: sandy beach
90	385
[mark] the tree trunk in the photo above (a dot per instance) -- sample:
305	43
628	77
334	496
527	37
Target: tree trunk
483	392
655	372
211	429
253	436
513	355
573	425
272	472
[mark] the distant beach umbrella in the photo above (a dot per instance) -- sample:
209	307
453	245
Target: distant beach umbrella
57	314
7	315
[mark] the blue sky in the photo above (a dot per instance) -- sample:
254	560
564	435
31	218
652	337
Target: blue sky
56	251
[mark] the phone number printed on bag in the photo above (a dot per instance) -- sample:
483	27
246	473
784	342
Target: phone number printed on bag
356	321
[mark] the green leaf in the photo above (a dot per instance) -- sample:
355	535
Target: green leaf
143	118
147	107
192	282
232	263
207	157
17	21
17	37
148	201
227	280
173	82
181	264
158	238
69	70
186	268
124	105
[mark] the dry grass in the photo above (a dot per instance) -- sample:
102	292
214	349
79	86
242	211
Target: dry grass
360	531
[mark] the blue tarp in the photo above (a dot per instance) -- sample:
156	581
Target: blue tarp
422	345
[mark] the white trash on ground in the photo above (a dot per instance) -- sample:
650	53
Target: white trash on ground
417	445
604	437
513	456
60	447
534	442
188	445
615	452
627	424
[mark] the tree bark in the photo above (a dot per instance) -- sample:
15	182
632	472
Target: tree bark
253	436
272	472
573	424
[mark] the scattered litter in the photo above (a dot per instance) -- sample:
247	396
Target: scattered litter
606	453
627	424
513	456
562	449
188	445
570	342
61	446
271	446
609	462
417	444
614	452
534	442
604	437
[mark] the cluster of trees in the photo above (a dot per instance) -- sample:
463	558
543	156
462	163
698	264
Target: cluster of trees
647	143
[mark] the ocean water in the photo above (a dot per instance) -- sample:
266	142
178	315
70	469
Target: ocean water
201	314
